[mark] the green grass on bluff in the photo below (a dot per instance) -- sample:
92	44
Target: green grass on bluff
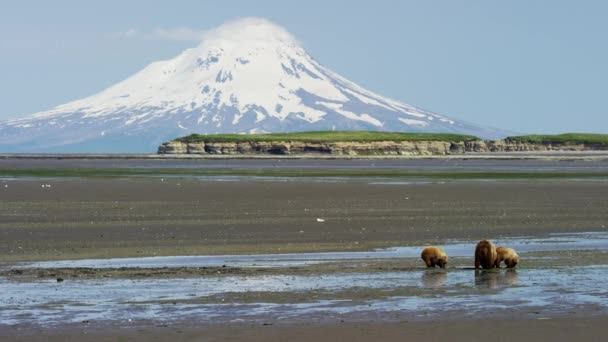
575	138
327	136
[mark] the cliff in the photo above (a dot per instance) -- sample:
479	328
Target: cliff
369	148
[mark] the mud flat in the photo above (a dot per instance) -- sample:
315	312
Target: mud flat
382	289
78	218
180	255
556	329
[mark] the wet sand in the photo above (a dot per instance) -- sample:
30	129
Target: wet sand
559	275
551	296
514	329
78	218
514	161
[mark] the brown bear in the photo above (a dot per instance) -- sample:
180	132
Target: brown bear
485	255
508	255
434	256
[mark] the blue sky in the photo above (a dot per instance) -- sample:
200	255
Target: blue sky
527	66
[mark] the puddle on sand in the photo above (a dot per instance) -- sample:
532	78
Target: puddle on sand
454	248
409	293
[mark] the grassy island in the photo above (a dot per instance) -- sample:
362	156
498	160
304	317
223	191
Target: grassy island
572	138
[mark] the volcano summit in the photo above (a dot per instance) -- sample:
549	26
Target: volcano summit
246	76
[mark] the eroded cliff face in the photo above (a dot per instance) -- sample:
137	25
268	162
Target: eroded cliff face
295	148
413	148
518	146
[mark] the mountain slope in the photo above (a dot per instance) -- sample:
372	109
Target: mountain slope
246	76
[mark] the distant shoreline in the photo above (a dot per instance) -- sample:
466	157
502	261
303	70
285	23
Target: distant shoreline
561	155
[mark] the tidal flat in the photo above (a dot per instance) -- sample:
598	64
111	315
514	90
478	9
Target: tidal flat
176	253
559	278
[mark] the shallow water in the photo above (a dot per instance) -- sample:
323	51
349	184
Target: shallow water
387	295
411	293
453	248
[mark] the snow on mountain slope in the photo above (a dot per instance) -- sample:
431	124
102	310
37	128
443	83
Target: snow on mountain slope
247	76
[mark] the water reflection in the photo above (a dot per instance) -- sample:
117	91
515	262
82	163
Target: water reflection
494	279
434	278
262	297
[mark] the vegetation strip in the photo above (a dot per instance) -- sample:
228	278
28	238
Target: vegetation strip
327	136
572	138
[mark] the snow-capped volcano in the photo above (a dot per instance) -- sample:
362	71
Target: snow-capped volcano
246	76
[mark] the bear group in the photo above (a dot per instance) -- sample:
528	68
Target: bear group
486	256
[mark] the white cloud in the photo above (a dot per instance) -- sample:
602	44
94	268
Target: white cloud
245	27
182	34
178	34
